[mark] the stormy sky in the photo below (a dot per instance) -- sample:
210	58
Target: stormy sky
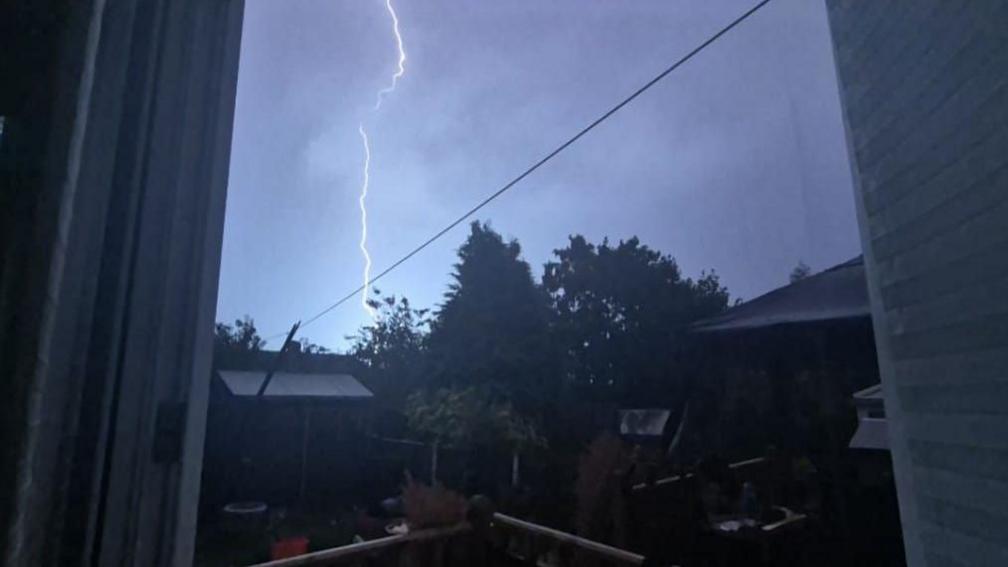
736	162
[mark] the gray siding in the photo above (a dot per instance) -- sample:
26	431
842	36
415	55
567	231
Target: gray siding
924	87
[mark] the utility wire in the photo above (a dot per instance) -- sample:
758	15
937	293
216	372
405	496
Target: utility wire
535	166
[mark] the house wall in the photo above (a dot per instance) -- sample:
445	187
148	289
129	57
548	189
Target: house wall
924	91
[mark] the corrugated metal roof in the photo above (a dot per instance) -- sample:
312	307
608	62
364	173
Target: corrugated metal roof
870	400
869	393
293	384
840	292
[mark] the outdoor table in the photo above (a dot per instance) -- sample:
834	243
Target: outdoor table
740	529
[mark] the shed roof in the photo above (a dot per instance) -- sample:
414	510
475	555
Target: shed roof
644	422
871	393
840	292
295	385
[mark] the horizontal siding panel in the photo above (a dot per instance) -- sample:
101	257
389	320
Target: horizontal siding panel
972	104
946	27
956	518
961	369
987	263
983	398
885	31
982	463
906	62
863	18
902	184
950	548
978	431
937	559
970	303
980	334
982	494
946	248
924	87
985	197
936	141
977	167
948	70
942	46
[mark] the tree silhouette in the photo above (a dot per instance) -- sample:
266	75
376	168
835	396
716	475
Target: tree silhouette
242	337
622	313
393	347
234	343
800	272
493	328
470	417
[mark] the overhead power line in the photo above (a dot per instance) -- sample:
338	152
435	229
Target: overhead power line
493	196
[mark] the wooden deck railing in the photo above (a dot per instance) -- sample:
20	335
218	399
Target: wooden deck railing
358	551
559	539
527	536
509	540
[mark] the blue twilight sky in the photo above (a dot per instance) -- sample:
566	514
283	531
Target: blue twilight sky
736	162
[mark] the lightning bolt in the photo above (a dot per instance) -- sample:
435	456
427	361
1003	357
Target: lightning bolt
400	71
363	216
402	56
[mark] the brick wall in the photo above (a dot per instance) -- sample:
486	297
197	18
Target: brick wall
924	87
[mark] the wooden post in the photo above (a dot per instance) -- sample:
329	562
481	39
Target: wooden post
304	452
279	359
256	404
515	465
433	465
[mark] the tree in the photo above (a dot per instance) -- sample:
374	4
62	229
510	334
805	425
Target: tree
234	344
309	347
800	272
477	421
471	417
493	328
393	347
242	337
623	312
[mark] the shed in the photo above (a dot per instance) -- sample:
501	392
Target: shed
841	292
298	443
794	356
